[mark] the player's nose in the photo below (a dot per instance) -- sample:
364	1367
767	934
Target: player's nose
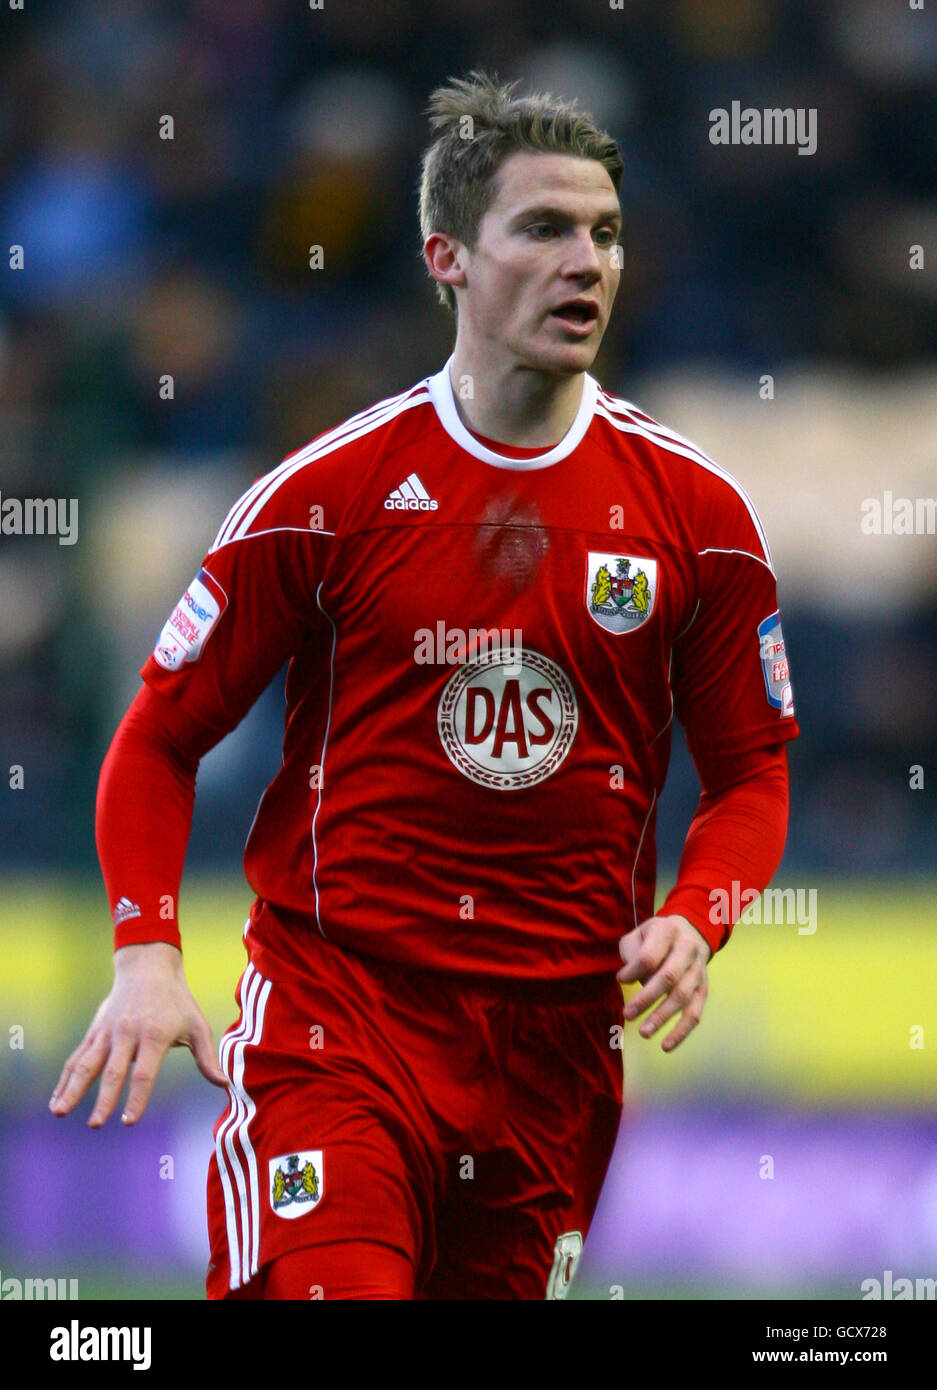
584	259
585	252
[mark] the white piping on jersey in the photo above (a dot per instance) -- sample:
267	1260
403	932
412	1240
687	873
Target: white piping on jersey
716	550
242	514
617	412
274	530
440	389
666	726
634	870
693	619
338	433
662	730
250	832
243	1255
325	740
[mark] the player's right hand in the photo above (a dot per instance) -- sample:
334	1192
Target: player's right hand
148	1011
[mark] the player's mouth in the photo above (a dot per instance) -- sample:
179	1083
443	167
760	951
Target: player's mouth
579	316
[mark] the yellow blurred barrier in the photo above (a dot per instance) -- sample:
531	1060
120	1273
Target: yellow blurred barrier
846	1012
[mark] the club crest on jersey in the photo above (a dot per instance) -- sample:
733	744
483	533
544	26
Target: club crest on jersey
620	590
508	718
297	1183
190	622
775	665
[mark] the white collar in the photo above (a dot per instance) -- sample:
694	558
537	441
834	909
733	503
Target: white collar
440	390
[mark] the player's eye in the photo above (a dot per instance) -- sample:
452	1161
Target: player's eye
605	237
541	231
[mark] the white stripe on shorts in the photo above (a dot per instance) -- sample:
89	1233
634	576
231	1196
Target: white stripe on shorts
241	1190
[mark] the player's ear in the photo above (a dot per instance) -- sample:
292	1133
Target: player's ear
445	257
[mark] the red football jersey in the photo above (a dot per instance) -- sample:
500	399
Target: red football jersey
487	653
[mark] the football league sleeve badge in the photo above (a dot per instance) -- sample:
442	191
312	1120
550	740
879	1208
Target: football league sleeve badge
190	622
775	665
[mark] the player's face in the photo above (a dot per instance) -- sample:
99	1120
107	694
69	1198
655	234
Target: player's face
543	274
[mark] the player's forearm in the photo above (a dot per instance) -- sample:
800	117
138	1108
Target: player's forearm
146	794
733	848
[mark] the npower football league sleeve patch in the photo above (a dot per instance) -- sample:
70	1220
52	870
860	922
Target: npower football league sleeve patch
190	622
775	665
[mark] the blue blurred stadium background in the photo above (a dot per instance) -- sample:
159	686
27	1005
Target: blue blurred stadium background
144	256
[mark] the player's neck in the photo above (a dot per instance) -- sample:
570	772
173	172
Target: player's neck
514	404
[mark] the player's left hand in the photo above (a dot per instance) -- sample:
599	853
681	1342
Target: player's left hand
668	955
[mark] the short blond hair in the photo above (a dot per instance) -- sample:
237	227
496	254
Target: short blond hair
478	124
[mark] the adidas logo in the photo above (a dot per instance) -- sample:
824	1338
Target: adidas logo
410	496
124	910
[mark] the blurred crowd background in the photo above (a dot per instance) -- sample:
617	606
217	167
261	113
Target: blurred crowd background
293	127
768	310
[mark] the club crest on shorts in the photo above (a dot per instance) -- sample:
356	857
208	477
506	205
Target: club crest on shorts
620	590
297	1183
566	1254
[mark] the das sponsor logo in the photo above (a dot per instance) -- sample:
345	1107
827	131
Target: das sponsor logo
508	719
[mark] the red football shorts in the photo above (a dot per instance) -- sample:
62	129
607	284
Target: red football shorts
464	1125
